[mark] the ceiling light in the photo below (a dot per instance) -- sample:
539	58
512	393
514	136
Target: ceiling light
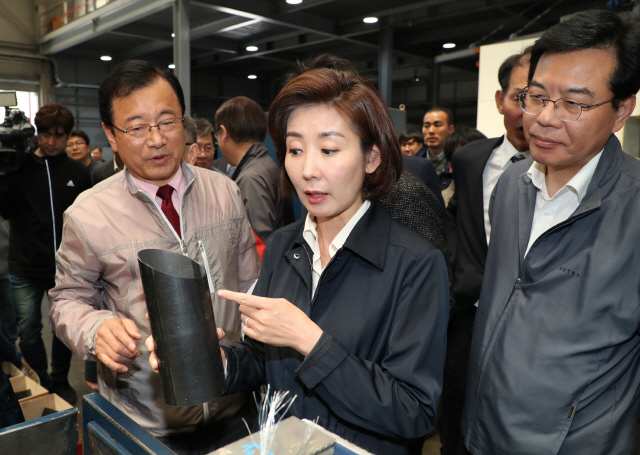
252	48
105	58
172	66
449	45
173	35
252	76
294	2
370	20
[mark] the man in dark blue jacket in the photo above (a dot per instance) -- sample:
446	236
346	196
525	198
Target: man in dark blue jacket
555	358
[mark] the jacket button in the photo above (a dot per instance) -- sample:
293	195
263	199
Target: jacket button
296	256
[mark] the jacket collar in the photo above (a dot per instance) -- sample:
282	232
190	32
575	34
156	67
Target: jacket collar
52	160
607	168
256	150
369	239
189	178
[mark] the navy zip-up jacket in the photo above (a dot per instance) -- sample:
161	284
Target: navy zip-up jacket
375	376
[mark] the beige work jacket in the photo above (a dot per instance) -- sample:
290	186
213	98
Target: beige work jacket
98	278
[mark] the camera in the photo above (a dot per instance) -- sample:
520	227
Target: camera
15	131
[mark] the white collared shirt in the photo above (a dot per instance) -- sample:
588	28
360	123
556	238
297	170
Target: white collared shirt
498	162
310	235
551	211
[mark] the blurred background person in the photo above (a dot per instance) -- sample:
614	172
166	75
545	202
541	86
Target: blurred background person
461	136
410	142
78	148
96	154
241	128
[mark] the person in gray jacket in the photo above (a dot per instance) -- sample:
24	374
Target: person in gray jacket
555	357
241	127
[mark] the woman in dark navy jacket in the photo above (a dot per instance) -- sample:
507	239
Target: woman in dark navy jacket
351	308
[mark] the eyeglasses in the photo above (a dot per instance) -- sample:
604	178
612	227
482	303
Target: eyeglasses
169	126
566	109
76	144
206	148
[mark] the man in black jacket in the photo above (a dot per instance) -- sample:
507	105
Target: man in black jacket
476	169
34	198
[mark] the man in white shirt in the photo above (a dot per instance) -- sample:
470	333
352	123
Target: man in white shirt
555	356
476	169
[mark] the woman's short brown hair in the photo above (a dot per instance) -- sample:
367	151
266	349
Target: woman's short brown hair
359	103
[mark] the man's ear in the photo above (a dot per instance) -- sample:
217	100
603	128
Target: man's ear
452	128
192	154
625	110
500	101
110	137
373	160
222	134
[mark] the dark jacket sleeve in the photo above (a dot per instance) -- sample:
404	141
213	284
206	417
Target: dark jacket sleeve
398	397
11	199
245	359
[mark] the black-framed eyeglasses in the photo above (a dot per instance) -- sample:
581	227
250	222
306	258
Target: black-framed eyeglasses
168	126
566	109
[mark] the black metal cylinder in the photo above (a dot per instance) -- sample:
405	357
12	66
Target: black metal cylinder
183	326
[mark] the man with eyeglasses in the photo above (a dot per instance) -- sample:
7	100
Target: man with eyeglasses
206	144
98	305
555	356
34	199
79	147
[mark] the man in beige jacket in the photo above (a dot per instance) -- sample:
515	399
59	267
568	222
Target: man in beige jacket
98	306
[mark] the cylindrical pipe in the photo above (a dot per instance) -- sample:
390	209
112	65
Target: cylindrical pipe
183	327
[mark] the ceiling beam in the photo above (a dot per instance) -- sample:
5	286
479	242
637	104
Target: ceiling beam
224	25
286	8
304	23
260	9
200	33
98	22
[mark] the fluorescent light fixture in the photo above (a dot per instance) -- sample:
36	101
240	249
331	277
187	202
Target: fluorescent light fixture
106	58
370	20
252	76
449	45
172	66
294	2
252	48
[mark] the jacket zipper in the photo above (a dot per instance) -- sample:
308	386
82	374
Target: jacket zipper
53	214
559	226
544	234
205	259
485	354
